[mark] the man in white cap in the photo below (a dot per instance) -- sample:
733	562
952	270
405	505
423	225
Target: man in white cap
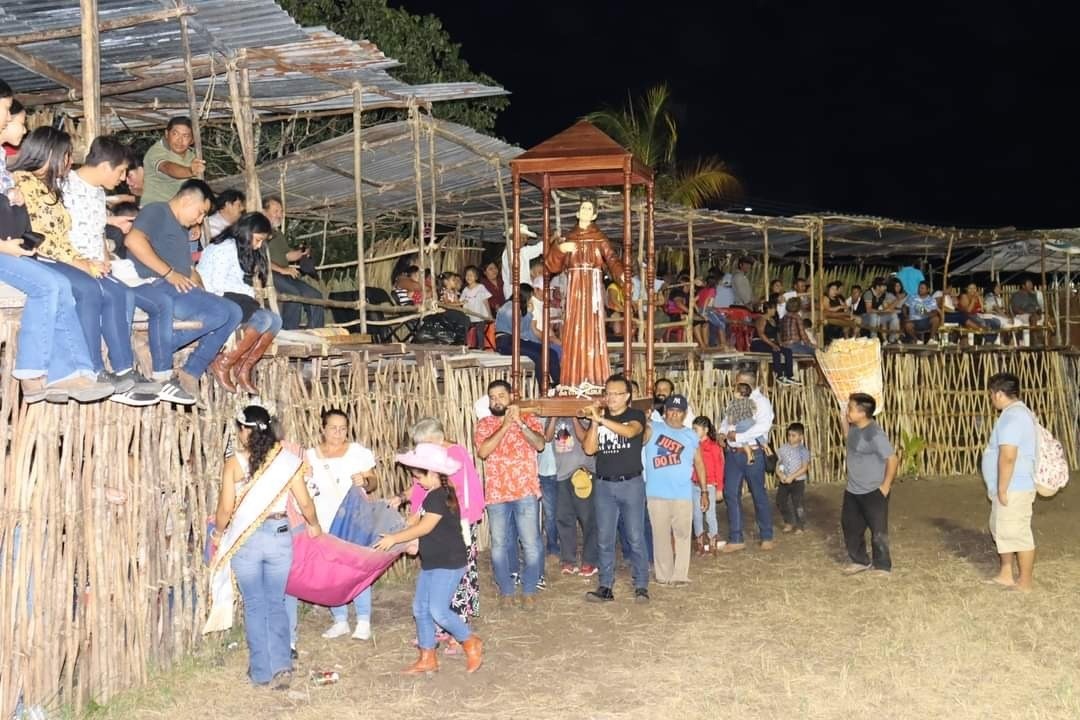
531	247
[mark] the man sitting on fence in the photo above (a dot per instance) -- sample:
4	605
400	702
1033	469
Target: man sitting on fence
880	316
922	316
158	244
287	278
1025	306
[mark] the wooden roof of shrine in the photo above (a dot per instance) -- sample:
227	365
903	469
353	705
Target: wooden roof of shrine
578	157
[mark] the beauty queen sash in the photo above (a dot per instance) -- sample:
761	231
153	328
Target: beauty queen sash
265	489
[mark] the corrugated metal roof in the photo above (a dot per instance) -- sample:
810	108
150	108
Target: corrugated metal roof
285	62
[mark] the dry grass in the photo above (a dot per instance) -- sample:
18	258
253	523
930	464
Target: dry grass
758	635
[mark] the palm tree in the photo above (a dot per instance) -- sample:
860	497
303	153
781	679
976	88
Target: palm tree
648	130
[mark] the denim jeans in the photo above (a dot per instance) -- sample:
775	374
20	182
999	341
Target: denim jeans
261	566
264	321
51	342
290	311
626	501
102	305
625	543
783	364
219	317
361	602
571	511
736	471
800	348
524	516
431	606
549	498
710	512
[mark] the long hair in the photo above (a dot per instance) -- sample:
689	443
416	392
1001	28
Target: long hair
262	439
703	421
451	495
46	148
253	262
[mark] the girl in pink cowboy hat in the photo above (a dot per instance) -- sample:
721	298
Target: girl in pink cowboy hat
443	556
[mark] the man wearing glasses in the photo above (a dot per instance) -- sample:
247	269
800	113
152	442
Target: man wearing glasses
615	438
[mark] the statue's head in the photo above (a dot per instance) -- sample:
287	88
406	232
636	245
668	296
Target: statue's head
587	211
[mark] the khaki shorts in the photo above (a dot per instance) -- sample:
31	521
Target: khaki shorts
1011	524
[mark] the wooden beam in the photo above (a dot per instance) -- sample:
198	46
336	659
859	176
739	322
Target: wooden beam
91	72
39	66
102	26
51	97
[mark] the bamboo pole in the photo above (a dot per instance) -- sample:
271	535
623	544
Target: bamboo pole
945	270
358	190
91	72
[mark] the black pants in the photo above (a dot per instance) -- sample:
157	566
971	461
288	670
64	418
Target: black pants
859	513
790	499
782	359
570	511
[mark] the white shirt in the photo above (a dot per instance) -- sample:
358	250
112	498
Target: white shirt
219	268
527	254
86	205
482	407
763	421
217	223
474	299
331	479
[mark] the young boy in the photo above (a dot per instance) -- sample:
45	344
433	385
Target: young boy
871	469
791	473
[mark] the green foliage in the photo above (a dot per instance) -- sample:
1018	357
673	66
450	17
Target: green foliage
648	130
420	43
911	447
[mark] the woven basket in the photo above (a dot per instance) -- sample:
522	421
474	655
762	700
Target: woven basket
853	366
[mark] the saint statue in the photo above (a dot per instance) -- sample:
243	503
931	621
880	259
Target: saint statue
582	255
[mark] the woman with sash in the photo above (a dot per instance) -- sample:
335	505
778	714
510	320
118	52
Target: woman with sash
255	546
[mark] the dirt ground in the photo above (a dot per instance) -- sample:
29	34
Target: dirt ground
756	635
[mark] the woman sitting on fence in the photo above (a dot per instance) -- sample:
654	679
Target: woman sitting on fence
255	544
229	265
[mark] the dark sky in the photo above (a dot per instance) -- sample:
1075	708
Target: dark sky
959	114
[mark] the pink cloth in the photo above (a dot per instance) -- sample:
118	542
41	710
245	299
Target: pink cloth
329	571
468	477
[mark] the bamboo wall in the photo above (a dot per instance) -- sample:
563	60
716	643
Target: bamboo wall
103	507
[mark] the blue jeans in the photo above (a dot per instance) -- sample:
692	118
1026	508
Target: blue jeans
290	311
261	566
710	512
736	470
264	321
625	544
103	308
51	342
431	606
361	602
219	317
524	516
614	501
549	488
800	348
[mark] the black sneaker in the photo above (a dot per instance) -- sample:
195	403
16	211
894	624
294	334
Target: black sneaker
600	594
143	384
293	654
641	595
122	384
542	585
134	398
516	578
173	393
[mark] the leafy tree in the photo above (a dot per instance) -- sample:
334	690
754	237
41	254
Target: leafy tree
647	129
423	46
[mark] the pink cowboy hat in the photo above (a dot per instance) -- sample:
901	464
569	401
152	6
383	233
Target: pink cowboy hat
429	456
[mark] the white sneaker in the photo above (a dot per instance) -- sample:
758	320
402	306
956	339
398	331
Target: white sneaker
363	629
336	630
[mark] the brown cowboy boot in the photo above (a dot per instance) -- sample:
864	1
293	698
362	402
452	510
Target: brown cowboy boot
242	373
473	657
427	662
225	361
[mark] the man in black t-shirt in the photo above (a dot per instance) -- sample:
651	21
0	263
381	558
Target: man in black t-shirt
614	437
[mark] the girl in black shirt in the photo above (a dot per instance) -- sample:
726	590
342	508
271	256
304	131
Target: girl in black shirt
443	556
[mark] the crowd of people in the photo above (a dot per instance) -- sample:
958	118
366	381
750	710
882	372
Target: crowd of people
89	245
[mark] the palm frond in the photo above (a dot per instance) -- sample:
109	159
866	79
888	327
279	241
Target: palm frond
708	180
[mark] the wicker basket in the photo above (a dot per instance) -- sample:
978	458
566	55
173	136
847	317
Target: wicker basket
853	366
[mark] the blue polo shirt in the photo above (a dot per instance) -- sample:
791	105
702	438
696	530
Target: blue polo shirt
669	462
1013	427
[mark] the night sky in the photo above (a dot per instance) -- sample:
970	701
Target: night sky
959	116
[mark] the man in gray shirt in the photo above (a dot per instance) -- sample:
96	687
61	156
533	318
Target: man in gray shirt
871	469
740	283
575	504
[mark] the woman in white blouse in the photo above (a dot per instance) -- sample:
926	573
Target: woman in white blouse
228	267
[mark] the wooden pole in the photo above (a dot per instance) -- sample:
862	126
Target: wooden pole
189	85
241	120
765	260
945	271
650	279
545	292
515	281
1068	296
91	72
638	326
628	277
358	190
418	180
810	280
1045	290
821	279
693	274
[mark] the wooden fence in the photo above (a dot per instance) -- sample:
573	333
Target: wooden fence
103	507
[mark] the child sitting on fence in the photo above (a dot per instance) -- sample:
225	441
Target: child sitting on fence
791	473
740	417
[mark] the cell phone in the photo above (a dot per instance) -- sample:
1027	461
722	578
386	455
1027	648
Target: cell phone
31	240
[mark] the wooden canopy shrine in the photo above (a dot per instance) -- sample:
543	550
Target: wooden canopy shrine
580	157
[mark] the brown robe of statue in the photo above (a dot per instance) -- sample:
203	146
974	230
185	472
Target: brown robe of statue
584	340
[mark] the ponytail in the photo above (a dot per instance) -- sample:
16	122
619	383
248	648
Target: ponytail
704	422
451	495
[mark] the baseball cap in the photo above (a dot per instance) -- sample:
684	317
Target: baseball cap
675	402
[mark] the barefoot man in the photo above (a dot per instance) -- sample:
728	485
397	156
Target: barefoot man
1008	467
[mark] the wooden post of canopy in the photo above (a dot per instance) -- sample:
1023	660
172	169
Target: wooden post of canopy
650	280
1044	322
1068	296
945	271
765	260
812	228
91	72
189	86
358	190
693	276
638	323
821	280
545	292
241	111
628	274
515	281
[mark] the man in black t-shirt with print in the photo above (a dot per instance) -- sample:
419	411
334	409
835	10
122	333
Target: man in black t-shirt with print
614	437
